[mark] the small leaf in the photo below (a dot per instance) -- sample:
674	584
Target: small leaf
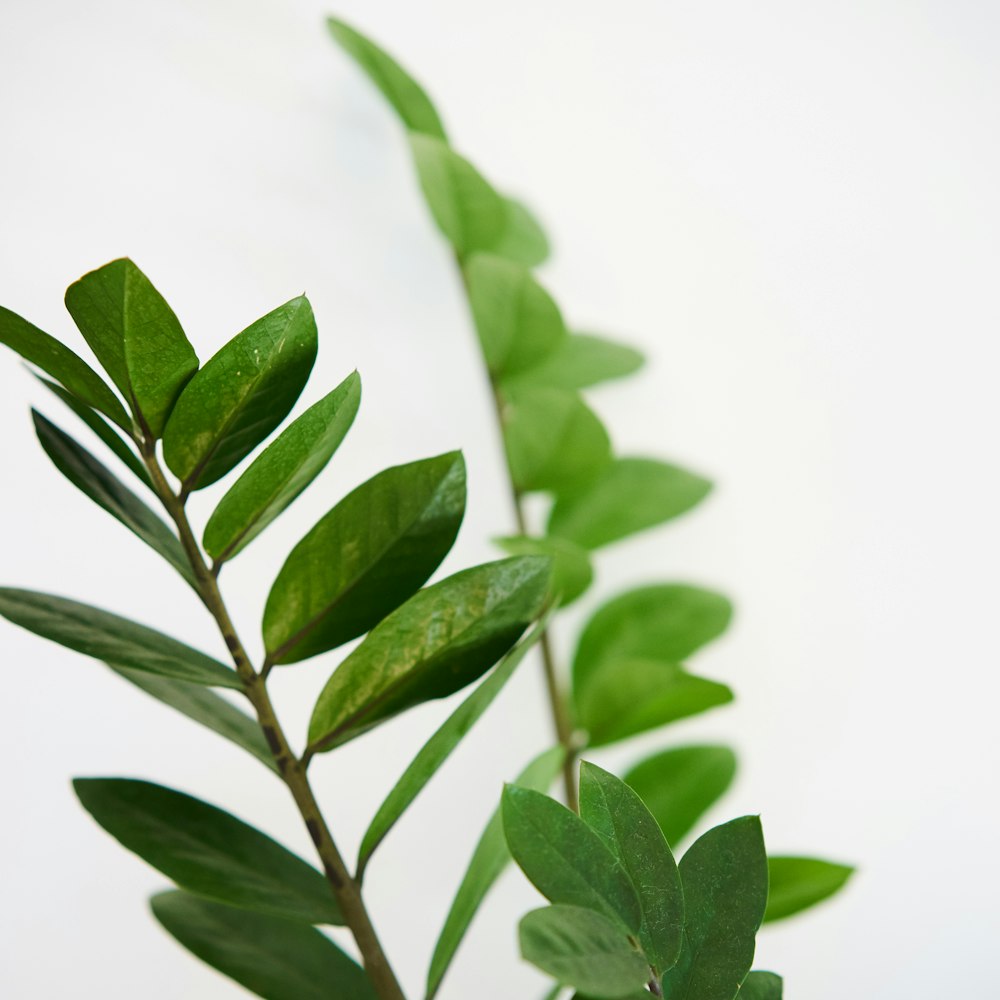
275	958
368	555
488	861
523	239
565	860
631	495
582	360
619	817
572	573
107	637
465	207
442	639
799	883
97	482
679	785
282	471
136	337
583	949
241	395
724	875
57	360
407	97
761	986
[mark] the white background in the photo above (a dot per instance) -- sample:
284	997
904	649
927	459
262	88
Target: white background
792	207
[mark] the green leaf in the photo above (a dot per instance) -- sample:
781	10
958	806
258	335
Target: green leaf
565	860
761	986
207	851
583	949
465	207
282	471
799	883
523	239
518	322
442	639
241	395
628	697
572	573
98	482
631	495
440	746
619	817
67	368
582	360
680	785
107	637
724	875
205	707
488	861
135	336
406	96
554	440
275	958
364	558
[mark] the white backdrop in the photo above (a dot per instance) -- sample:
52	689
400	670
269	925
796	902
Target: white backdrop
792	207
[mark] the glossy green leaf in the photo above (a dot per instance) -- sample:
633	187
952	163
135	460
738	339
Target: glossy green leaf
761	986
572	573
619	817
282	471
203	706
404	94
724	875
582	360
275	958
442	639
523	239
553	439
799	883
207	851
583	949
99	483
135	336
680	785
465	207
565	860
364	558
241	395
108	637
66	367
632	494
518	322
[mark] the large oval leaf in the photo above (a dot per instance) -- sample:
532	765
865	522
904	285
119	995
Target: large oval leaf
582	360
439	641
374	550
241	395
798	883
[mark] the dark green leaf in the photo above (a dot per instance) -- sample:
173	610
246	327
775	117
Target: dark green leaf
136	337
207	851
619	817
488	861
465	207
583	949
761	986
282	471
798	883
523	238
631	495
572	573
275	958
724	875
565	860
53	358
439	641
582	360
98	483
241	395
679	785
107	637
368	555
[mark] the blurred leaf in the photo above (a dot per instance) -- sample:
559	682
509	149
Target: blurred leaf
680	785
207	851
364	558
582	360
631	494
107	637
572	573
523	239
282	471
442	639
241	395
761	986
799	883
